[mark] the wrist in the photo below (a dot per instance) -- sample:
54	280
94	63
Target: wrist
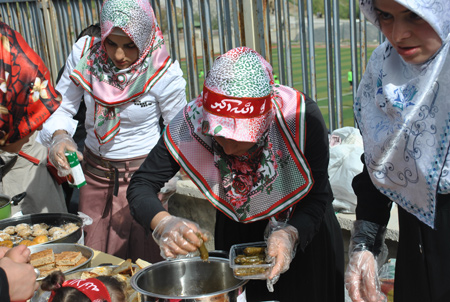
59	132
158	218
368	236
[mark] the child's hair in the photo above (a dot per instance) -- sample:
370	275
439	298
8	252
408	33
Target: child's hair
116	288
54	282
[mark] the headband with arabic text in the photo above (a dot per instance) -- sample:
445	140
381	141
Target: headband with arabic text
93	288
235	107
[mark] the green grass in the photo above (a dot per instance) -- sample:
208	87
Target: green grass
321	79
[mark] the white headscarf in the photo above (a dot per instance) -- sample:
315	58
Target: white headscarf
403	112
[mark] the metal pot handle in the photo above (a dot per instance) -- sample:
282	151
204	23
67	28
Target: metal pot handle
17	198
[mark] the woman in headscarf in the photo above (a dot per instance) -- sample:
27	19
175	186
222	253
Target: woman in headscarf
128	81
26	85
402	109
259	153
27	100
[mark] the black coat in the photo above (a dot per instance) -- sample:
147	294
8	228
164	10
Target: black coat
317	271
422	271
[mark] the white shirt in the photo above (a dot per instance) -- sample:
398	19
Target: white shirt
139	120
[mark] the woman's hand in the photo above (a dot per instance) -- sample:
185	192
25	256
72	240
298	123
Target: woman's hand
281	247
19	254
361	278
61	143
3	251
21	279
177	236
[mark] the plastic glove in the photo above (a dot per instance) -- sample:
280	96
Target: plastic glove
167	191
61	143
282	244
361	278
177	237
366	253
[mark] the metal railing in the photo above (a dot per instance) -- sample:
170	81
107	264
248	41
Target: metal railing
196	31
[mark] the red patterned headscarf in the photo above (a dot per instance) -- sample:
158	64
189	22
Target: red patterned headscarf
93	288
27	95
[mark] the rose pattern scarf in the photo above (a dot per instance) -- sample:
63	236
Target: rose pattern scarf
240	102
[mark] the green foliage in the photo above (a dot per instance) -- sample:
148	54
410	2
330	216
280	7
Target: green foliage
321	78
319	7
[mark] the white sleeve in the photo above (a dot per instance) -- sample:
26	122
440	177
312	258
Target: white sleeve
62	118
170	92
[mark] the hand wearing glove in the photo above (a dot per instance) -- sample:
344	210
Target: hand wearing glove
177	237
281	247
366	253
61	143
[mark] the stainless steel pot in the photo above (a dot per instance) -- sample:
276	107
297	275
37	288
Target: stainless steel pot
52	219
189	279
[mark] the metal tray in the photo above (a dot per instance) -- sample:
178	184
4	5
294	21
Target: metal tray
52	219
63	247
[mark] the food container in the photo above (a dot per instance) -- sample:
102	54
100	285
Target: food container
189	279
52	219
63	247
250	271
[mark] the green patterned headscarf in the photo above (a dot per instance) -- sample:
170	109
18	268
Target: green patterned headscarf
237	96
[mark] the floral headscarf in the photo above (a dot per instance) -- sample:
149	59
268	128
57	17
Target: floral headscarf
27	95
110	86
402	111
241	102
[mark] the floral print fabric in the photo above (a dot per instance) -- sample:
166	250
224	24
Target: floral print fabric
268	180
111	86
402	111
27	95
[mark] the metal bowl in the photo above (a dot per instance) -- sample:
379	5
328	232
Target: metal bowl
63	247
188	279
52	219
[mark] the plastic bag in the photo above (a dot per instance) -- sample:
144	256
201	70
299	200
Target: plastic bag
345	163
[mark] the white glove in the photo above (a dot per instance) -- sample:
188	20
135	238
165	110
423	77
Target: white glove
361	278
61	143
282	244
177	237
